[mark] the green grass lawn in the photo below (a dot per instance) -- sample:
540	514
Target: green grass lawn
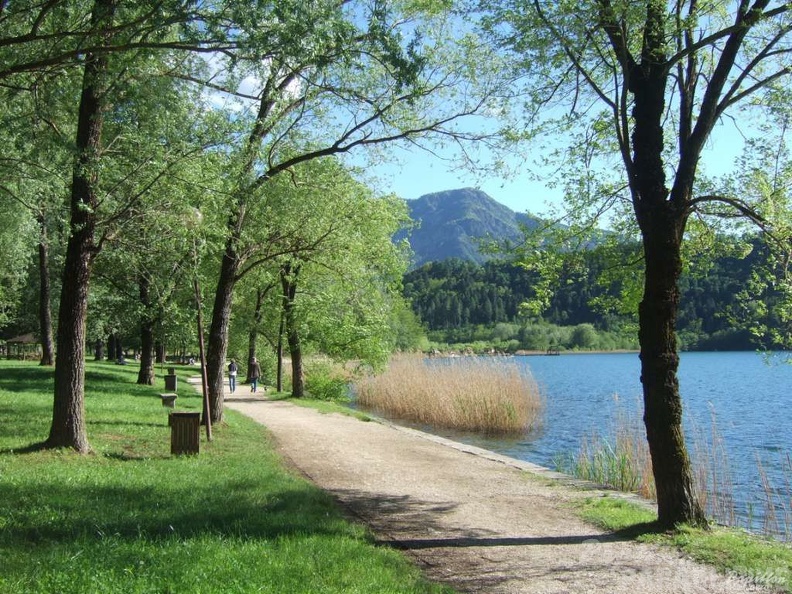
131	518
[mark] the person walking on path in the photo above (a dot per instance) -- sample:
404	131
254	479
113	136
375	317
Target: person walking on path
232	375
255	373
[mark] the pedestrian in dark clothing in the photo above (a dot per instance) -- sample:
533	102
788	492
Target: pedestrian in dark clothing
255	374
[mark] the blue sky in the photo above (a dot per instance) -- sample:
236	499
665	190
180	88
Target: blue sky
420	173
413	174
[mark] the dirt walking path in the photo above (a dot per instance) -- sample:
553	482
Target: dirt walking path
470	518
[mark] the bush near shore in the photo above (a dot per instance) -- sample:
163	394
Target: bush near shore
489	395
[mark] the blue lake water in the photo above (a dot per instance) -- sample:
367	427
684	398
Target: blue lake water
748	394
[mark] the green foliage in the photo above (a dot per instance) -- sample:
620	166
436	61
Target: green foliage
406	331
325	381
17	236
132	518
733	297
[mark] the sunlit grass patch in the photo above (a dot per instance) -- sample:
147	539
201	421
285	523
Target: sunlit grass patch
131	518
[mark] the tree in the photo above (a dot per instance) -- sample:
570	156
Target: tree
651	80
17	234
68	416
107	185
350	279
331	78
34	168
46	38
341	274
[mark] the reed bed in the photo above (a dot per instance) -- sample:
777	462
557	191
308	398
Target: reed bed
712	474
776	504
490	396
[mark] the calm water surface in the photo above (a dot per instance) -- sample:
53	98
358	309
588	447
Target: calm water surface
746	393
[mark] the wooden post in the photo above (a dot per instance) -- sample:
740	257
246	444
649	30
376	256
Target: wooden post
207	416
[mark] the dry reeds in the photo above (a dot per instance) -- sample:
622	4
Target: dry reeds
712	472
490	396
776	507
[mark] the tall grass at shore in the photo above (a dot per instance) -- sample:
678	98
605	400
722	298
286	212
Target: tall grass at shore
620	459
777	500
712	474
488	395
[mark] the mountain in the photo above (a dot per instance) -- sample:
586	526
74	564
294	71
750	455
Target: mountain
452	224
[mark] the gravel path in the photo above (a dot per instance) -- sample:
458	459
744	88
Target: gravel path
470	518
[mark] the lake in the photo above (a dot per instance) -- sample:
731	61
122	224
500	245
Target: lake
747	394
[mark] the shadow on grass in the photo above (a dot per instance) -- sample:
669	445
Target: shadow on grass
33	448
27	378
63	514
637	530
133	457
34	378
116	423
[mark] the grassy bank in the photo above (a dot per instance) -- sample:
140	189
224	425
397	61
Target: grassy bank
131	518
489	395
754	560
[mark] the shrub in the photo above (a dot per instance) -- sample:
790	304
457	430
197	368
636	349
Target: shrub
324	381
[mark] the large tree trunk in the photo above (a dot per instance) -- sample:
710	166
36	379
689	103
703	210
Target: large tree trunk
676	499
279	355
217	346
112	355
662	221
147	322
45	313
68	415
289	284
99	348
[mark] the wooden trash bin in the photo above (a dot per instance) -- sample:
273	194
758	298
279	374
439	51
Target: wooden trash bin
185	432
171	382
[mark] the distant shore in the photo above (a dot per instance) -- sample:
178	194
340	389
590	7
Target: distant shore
594	352
526	353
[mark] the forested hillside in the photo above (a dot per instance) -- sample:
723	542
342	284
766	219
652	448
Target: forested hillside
462	301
